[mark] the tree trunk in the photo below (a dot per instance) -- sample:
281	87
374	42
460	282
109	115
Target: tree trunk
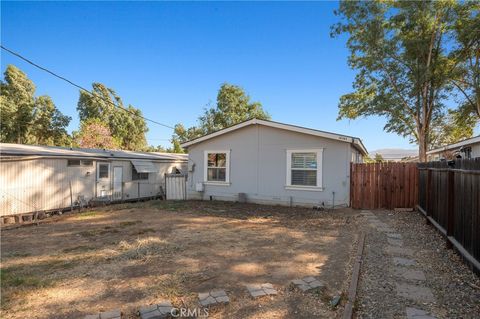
422	146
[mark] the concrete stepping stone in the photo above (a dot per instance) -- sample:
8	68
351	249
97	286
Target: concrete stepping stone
394	250
260	290
308	283
366	213
159	311
394	236
399	261
415	292
385	229
213	297
409	274
113	314
413	313
395	242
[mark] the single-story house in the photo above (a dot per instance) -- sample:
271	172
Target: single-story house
273	163
44	178
469	148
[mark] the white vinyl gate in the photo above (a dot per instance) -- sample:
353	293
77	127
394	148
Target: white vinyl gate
175	186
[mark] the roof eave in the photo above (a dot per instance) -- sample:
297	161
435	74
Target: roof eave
298	129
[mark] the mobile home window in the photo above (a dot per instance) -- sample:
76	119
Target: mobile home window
217	166
103	170
304	168
138	176
87	163
73	163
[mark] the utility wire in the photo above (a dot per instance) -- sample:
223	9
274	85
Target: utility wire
80	87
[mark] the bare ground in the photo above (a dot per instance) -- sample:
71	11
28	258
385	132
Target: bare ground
132	255
455	287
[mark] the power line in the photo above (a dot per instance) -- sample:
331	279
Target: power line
79	86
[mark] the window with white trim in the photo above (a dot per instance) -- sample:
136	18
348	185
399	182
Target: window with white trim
304	168
217	166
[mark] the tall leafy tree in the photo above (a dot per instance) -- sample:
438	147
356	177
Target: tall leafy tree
401	50
48	124
17	100
28	119
466	78
125	123
94	133
233	106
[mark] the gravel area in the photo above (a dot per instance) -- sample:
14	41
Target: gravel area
456	289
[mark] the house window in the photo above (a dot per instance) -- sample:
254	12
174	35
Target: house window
217	166
103	170
138	176
73	163
87	163
468	152
304	168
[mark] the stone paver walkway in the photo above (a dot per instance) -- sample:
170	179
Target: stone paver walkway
413	313
159	311
260	290
114	314
213	297
308	283
410	282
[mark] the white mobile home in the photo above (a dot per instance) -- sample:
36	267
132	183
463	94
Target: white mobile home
43	178
269	162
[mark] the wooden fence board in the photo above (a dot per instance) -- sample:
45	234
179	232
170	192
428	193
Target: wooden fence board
383	185
460	218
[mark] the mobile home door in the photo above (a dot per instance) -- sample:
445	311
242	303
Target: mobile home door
117	182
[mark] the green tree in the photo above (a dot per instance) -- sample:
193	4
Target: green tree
378	158
467	57
125	123
27	119
401	51
48	124
94	133
456	127
233	106
16	106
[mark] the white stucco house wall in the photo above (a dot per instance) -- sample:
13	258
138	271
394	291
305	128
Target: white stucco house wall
469	148
272	163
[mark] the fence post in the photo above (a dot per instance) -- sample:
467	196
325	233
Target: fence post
450	208
427	195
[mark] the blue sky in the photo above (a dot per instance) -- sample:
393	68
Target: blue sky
169	59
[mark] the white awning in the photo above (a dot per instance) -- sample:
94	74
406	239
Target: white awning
144	167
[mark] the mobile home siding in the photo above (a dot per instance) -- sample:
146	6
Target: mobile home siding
258	167
43	184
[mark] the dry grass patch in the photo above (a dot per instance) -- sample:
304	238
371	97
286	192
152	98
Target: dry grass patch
131	255
145	248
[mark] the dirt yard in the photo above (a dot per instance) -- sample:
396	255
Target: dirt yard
131	255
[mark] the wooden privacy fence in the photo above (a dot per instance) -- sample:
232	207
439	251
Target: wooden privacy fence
449	197
383	185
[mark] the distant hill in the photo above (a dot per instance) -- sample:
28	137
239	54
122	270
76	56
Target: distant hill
394	154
